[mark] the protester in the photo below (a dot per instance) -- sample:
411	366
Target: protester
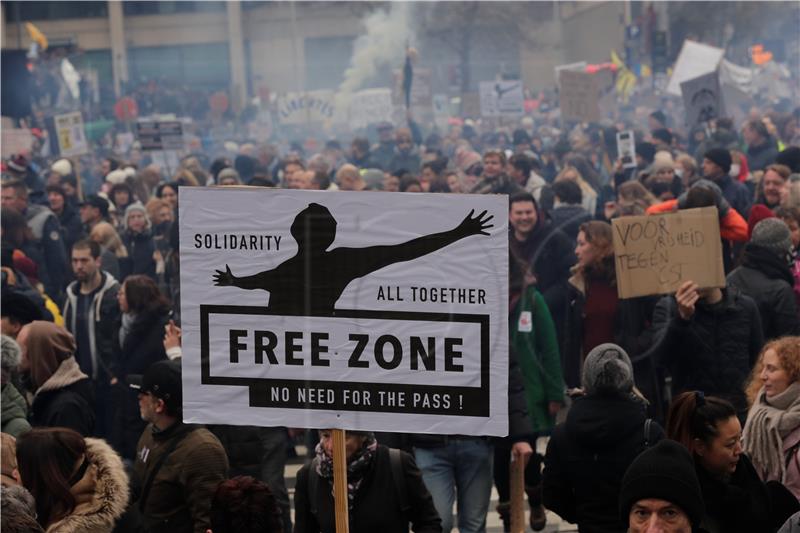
606	428
112	250
91	314
137	345
773	189
13	405
138	240
68	216
772	431
735	498
716	168
245	505
79	484
791	217
93	211
178	467
766	276
62	394
494	180
377	499
761	149
660	491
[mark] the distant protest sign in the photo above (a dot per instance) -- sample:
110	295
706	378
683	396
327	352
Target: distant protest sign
578	96
306	108
656	254
160	135
70	134
502	98
360	311
702	99
694	60
370	106
16	141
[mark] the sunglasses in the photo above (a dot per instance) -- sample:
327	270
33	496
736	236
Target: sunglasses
77	476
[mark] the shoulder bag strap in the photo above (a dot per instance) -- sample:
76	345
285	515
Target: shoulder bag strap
150	478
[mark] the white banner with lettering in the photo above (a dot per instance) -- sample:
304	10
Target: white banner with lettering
355	310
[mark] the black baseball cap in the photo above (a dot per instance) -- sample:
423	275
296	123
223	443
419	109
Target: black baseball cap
97	201
163	380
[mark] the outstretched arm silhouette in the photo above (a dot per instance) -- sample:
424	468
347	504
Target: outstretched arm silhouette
373	258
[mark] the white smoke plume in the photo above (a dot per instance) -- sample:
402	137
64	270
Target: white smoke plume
384	43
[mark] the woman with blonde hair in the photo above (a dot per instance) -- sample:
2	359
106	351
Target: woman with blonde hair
771	435
112	249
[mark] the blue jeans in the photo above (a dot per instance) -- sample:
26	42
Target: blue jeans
462	468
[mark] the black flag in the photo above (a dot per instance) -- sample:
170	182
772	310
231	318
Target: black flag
408	77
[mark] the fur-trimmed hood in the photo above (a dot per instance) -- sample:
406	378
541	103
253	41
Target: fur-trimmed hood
101	495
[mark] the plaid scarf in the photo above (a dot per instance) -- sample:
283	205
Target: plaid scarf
357	467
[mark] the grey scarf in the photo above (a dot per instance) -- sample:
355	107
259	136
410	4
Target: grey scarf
768	423
128	319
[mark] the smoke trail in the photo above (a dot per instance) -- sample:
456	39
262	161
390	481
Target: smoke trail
384	43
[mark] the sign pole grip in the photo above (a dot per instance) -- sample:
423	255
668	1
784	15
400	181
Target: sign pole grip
517	480
340	481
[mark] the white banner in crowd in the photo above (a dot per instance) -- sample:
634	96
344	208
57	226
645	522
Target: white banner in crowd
362	311
694	60
502	99
370	106
305	108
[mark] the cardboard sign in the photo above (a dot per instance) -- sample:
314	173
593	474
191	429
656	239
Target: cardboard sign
578	96
694	60
626	148
656	254
370	106
160	135
16	141
70	134
312	107
702	99
363	311
502	99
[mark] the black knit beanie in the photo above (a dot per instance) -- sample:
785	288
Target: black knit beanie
721	157
665	472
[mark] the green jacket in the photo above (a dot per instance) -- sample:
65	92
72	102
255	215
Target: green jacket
14	411
536	347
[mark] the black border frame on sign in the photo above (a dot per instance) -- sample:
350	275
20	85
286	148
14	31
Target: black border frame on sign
475	400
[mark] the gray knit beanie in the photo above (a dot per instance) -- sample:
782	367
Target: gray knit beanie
136	206
607	370
774	235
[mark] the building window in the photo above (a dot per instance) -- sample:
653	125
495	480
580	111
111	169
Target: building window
327	58
169	8
29	11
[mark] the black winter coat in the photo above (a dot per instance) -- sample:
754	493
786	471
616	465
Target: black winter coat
568	219
244	446
715	350
740	505
377	507
633	331
768	280
141	247
588	455
70	407
71	226
143	346
761	156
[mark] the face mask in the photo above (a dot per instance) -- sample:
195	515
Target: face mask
734	171
679	172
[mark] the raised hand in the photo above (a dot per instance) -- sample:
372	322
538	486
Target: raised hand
687	297
475	225
223	279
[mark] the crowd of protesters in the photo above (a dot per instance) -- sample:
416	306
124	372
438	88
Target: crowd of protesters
677	413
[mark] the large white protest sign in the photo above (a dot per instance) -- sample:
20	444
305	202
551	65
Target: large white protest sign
694	60
370	106
502	98
363	311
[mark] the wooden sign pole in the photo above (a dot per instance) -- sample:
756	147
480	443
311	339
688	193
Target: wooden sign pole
340	481
517	481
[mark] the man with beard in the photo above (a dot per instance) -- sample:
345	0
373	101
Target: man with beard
90	314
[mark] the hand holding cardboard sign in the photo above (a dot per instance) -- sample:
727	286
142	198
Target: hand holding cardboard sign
687	297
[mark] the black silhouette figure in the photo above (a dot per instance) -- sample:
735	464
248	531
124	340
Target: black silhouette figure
311	282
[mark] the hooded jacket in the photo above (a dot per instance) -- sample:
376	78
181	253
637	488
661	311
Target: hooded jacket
14	411
101	324
768	280
18	511
101	495
587	457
